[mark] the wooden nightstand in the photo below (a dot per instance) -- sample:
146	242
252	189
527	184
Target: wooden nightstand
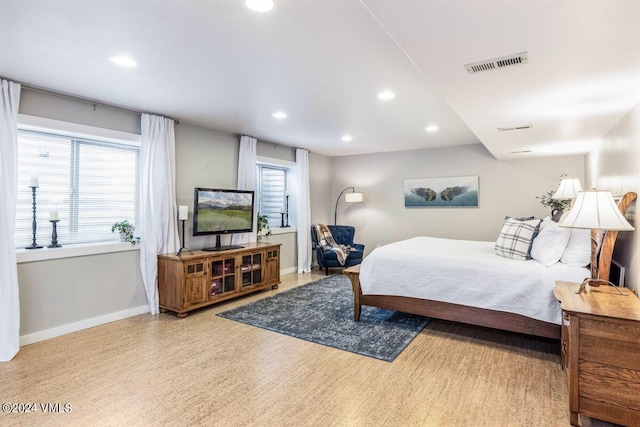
601	351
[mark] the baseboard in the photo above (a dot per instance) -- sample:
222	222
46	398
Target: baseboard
288	270
83	324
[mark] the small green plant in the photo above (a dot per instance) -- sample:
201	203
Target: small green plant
547	201
125	230
263	225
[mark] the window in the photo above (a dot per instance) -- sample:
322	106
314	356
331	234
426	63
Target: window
271	193
91	183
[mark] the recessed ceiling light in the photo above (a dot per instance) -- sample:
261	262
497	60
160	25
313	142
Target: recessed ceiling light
279	115
386	95
123	61
259	5
431	128
347	138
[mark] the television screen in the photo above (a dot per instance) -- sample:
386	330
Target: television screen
222	211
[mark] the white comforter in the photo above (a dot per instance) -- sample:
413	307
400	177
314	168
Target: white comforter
467	273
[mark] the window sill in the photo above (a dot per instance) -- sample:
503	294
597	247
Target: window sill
284	230
70	251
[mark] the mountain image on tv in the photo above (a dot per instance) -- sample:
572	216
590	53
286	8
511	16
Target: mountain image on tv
224	211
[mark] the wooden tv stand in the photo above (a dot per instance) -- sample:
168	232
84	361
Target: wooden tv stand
193	280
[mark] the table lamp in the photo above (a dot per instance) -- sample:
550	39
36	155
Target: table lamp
568	189
596	210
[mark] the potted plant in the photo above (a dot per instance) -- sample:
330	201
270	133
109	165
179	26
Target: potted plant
263	226
557	206
126	231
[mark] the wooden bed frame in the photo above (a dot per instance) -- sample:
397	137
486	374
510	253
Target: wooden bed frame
479	316
448	311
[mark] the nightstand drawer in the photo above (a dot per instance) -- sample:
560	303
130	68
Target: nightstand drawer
615	343
604	383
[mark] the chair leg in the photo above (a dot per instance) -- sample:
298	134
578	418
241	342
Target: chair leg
326	271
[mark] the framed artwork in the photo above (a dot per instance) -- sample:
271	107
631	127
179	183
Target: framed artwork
441	192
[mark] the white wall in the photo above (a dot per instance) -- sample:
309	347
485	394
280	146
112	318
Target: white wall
506	188
615	165
61	292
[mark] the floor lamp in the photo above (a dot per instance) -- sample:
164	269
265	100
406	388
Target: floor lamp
353	197
596	210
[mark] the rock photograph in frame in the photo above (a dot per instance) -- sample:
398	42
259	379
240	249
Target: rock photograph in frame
441	192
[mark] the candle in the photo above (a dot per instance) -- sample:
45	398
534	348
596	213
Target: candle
34	180
282	209
286	193
183	213
53	215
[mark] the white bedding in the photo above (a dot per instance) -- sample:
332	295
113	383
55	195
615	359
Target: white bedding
467	273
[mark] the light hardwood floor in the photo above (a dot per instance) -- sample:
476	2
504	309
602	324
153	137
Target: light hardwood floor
206	370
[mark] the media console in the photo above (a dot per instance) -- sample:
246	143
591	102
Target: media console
190	281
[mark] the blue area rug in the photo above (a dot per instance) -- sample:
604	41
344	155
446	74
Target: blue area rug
322	312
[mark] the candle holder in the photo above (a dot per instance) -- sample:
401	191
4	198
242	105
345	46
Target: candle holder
287	210
282	220
34	224
182	246
54	234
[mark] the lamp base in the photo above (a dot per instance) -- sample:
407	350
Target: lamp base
180	251
588	282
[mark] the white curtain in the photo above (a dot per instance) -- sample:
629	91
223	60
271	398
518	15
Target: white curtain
159	213
247	181
9	301
303	211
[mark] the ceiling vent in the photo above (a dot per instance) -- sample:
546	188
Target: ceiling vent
515	128
495	63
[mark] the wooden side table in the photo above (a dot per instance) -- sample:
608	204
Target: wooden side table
601	352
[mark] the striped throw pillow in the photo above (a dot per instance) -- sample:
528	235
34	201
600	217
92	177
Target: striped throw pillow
516	237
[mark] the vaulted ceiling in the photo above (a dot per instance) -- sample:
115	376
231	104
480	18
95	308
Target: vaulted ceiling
218	64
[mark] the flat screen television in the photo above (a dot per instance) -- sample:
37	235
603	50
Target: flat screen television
218	211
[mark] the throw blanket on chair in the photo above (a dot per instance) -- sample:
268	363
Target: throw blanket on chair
326	241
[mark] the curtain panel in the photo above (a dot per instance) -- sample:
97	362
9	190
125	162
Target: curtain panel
247	181
303	211
9	296
159	213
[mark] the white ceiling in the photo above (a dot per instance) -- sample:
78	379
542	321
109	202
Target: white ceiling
217	64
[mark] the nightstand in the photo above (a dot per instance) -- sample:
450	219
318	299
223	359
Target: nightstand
601	352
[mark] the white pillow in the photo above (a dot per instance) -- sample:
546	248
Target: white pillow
550	244
578	252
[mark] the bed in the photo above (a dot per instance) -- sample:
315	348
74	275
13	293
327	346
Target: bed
462	281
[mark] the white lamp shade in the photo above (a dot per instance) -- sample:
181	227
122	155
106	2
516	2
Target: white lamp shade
568	189
596	210
353	197
183	213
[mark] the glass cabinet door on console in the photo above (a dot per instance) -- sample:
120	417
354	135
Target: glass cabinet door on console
223	276
251	269
195	277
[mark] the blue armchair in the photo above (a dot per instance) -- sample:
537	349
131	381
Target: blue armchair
343	235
